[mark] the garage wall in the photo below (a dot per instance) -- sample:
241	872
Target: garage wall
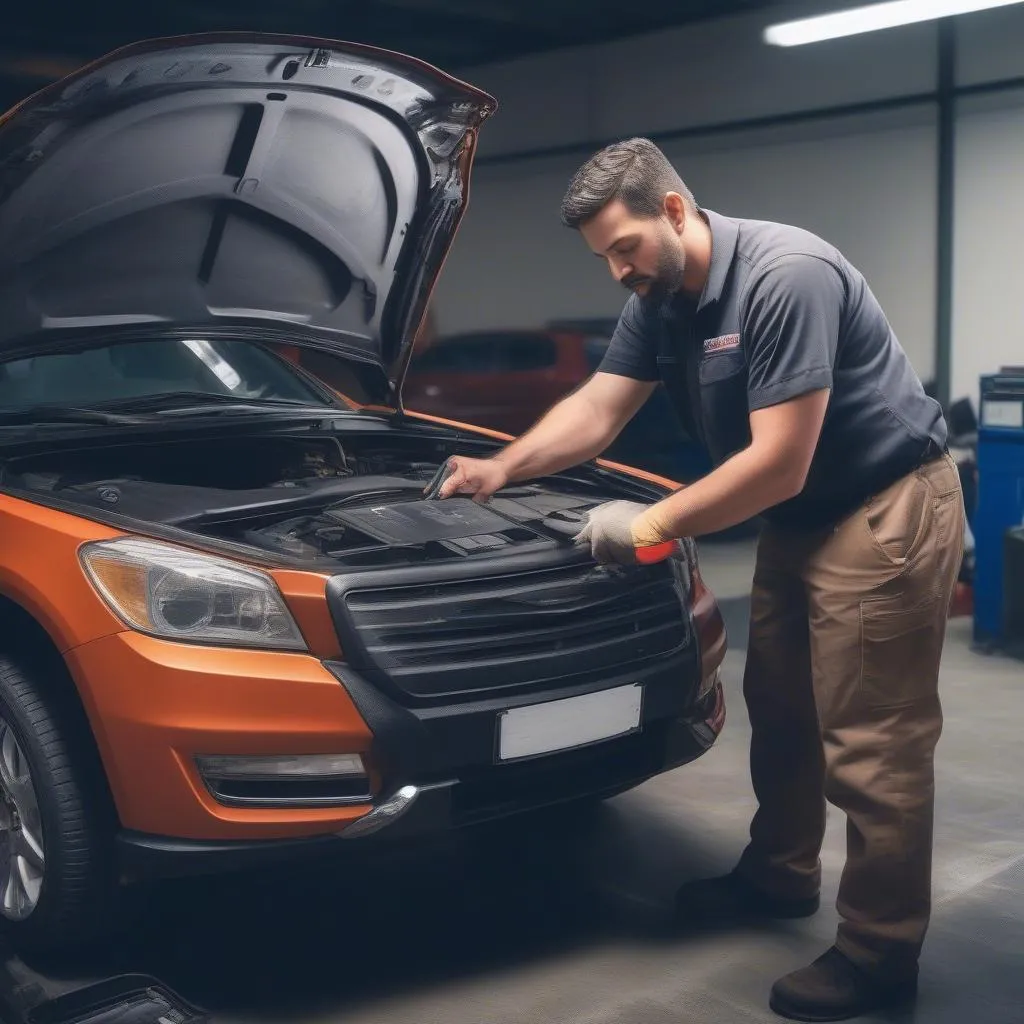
693	76
872	193
865	180
988	325
988	321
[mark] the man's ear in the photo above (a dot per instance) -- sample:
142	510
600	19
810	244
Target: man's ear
675	210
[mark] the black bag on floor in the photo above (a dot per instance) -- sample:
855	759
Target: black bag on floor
127	999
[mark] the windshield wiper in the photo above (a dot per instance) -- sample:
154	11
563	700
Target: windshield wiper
204	401
146	407
34	414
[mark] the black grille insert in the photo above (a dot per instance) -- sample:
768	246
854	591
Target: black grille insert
507	631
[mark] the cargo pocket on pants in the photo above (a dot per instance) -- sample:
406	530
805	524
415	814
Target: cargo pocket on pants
900	645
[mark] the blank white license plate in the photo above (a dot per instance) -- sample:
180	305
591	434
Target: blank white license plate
565	724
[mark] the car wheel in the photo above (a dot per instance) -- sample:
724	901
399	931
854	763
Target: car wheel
57	874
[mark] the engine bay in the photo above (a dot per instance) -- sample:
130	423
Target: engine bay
346	500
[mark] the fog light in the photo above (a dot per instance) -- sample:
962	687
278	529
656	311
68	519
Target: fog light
287	780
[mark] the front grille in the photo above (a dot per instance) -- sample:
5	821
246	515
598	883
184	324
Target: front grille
509	632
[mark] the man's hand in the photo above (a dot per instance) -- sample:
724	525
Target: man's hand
478	477
616	529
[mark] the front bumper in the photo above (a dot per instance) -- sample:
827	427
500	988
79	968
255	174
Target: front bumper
156	705
442	806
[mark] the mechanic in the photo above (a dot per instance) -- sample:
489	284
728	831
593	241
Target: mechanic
780	361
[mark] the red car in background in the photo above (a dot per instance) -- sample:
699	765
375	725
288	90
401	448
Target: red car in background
506	379
501	379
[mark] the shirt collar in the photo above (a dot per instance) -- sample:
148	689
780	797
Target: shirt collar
724	238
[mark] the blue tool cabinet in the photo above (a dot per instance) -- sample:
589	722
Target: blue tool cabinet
1000	495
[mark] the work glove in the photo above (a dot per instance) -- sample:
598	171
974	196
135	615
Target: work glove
615	530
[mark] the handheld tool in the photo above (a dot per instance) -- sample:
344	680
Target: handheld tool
658	552
434	487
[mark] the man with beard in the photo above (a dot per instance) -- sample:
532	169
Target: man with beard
780	361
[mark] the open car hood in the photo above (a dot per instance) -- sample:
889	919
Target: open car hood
306	188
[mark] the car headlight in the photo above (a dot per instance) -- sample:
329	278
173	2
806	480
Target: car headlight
183	595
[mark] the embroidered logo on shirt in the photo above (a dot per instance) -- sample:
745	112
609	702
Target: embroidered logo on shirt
720	344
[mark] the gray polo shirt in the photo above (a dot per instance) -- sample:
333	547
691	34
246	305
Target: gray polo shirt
784	313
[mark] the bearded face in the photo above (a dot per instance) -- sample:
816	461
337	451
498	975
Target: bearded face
644	254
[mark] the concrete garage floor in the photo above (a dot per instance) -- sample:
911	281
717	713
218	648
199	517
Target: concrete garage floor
565	921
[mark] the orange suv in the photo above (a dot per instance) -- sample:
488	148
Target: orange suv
233	629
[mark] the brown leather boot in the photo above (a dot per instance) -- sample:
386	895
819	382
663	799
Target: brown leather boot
835	988
731	899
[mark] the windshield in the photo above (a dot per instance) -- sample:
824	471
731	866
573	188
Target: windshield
136	370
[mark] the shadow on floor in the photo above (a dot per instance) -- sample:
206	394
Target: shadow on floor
561	917
287	944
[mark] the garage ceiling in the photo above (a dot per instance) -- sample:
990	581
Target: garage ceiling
43	44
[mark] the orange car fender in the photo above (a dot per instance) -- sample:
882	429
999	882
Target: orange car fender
305	594
40	571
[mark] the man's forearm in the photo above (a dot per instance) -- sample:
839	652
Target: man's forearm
739	489
772	469
570	433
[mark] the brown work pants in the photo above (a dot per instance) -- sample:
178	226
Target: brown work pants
847	627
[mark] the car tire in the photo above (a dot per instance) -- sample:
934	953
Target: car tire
76	899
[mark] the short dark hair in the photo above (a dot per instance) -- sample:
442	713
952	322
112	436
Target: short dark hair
634	171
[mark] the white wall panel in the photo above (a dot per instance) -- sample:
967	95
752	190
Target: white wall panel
703	74
988	293
990	45
723	72
543	102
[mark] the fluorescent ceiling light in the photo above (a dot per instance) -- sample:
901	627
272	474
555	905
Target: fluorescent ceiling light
868	19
